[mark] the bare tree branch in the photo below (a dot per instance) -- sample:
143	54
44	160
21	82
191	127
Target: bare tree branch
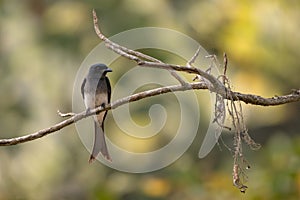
84	114
219	85
134	55
273	101
148	61
247	98
221	88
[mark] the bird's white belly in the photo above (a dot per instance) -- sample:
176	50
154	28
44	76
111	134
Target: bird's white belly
92	101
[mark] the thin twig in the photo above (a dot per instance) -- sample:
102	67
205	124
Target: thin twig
225	63
194	57
192	61
70	114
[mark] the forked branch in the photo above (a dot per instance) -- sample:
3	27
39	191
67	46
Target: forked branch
211	83
148	61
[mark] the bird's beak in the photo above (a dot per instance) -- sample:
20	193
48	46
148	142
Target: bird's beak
108	70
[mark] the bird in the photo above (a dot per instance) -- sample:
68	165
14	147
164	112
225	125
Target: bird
96	91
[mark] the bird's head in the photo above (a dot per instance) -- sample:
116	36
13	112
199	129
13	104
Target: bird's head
98	70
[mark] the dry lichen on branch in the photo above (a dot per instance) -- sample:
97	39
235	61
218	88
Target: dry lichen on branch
219	85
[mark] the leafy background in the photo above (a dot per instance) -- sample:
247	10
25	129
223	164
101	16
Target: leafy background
42	44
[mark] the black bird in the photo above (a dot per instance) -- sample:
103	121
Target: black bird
96	91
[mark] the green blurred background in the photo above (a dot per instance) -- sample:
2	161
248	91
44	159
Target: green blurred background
42	44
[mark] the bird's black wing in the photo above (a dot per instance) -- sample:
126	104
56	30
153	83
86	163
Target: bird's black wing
82	88
108	89
108	99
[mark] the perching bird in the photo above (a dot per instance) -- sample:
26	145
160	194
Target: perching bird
96	91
